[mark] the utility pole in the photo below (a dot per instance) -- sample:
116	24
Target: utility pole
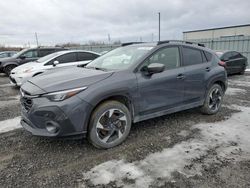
36	39
159	26
109	39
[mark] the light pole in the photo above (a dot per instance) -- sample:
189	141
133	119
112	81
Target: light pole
36	39
159	26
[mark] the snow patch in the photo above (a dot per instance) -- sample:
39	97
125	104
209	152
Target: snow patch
10	124
229	139
234	91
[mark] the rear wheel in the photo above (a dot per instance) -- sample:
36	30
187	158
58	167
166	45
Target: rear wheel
213	100
109	125
8	69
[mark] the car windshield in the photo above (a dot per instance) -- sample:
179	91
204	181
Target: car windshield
119	58
48	57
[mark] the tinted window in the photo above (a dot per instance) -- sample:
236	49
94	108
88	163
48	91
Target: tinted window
71	57
235	55
170	57
30	54
191	56
208	56
44	52
84	56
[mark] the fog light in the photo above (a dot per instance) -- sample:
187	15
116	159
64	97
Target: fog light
51	128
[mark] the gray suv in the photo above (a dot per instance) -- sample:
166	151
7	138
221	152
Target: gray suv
132	83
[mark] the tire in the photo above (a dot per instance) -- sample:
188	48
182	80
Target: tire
213	100
8	69
107	131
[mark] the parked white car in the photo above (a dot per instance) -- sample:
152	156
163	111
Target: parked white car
22	73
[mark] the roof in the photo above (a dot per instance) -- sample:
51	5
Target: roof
227	27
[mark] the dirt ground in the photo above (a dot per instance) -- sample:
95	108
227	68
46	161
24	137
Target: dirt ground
29	161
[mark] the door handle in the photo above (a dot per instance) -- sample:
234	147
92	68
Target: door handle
180	76
208	69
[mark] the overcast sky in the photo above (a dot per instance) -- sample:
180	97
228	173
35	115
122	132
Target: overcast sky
60	21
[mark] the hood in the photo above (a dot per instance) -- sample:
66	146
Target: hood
33	65
68	78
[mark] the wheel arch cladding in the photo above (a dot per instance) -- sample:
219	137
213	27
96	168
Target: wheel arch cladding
124	99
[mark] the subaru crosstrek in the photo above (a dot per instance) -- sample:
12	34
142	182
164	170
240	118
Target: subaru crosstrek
132	83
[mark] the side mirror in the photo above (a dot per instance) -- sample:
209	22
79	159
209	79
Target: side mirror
22	57
55	63
153	68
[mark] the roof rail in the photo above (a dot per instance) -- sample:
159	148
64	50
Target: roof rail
180	41
130	43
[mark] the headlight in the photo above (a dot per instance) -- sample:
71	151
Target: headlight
28	70
62	95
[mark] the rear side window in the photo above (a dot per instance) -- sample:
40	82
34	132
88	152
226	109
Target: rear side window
235	55
208	56
44	52
67	58
191	56
84	56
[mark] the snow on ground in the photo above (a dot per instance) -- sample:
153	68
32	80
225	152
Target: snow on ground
9	124
6	85
229	139
234	91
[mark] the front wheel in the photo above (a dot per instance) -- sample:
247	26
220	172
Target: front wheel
109	125
213	100
8	69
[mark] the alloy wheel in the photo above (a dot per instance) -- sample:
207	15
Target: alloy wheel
111	125
215	99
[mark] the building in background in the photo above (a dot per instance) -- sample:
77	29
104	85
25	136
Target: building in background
220	32
235	38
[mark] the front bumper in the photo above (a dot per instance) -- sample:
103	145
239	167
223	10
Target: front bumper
18	80
69	117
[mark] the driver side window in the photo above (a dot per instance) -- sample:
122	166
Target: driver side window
169	56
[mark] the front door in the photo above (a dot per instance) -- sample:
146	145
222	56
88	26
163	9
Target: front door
163	90
28	56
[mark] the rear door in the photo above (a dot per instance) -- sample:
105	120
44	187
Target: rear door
164	90
196	67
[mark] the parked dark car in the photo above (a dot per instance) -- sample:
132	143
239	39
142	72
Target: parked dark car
25	56
5	54
235	62
129	84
